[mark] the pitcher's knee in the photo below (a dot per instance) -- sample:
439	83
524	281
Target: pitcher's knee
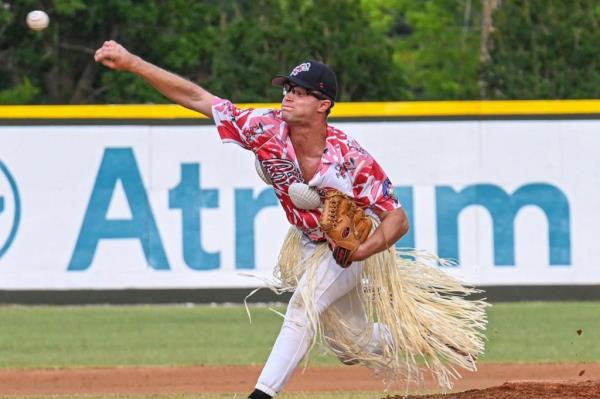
295	317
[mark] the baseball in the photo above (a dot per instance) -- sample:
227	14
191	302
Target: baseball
262	173
38	20
303	196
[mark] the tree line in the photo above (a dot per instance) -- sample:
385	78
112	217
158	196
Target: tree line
382	50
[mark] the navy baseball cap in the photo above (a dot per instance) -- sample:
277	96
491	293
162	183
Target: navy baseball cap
312	75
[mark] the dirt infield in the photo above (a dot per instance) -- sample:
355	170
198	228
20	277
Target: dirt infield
525	390
524	381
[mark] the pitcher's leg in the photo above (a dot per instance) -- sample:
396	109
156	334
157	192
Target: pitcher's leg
288	350
352	317
296	335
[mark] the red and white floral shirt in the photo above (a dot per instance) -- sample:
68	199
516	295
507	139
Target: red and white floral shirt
345	165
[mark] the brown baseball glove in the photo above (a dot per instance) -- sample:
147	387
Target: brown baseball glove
345	225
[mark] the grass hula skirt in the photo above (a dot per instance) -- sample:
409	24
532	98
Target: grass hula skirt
430	324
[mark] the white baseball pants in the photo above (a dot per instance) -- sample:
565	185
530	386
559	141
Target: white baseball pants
336	287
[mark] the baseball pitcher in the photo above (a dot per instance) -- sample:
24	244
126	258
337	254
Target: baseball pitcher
393	312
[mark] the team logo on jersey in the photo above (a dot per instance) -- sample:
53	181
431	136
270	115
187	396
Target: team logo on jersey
388	190
282	171
304	67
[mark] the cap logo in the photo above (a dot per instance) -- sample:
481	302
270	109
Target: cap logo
305	66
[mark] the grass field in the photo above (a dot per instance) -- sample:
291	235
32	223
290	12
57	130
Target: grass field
51	337
32	337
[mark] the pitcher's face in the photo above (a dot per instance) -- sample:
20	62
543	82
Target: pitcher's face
300	104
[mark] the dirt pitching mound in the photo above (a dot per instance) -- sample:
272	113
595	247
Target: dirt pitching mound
543	381
524	390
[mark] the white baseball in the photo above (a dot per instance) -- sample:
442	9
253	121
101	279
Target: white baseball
38	20
262	173
303	196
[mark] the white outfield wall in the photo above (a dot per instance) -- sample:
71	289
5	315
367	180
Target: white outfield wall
114	207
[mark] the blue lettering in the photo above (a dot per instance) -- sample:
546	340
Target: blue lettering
17	209
246	209
405	197
191	198
503	209
118	164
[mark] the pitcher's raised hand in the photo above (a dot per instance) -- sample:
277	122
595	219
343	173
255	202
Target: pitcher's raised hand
171	85
115	56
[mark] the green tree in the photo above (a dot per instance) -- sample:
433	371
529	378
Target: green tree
545	49
437	45
264	38
233	48
57	65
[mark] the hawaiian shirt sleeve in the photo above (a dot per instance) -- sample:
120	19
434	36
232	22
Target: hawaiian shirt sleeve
232	122
372	188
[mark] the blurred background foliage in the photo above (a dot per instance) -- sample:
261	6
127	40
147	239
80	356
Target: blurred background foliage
380	49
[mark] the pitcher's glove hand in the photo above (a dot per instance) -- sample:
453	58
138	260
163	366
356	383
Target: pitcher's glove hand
345	225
